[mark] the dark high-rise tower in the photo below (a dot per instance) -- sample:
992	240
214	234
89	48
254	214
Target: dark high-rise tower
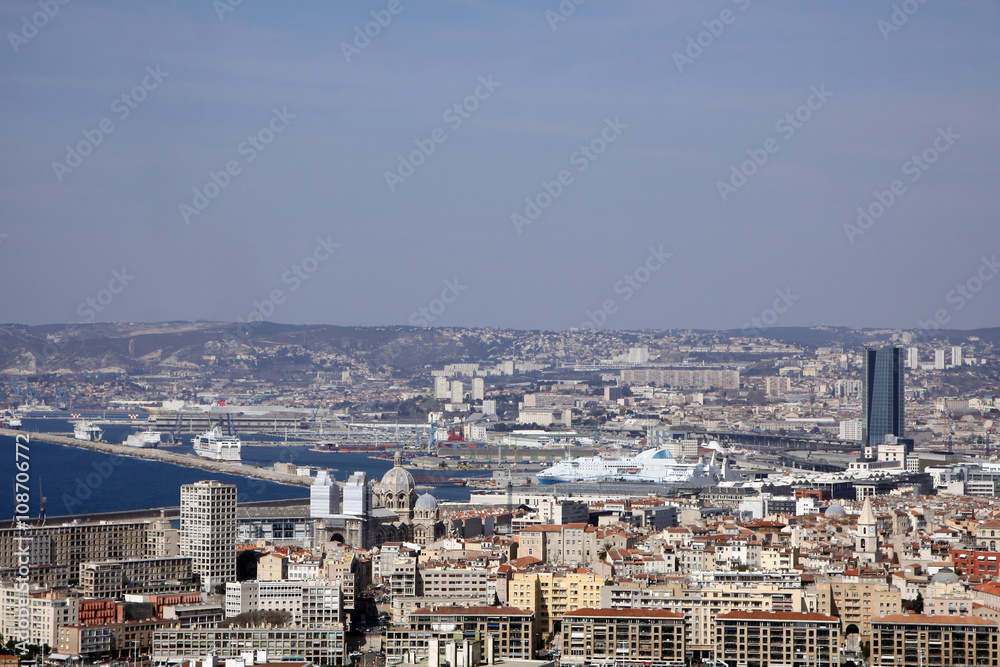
882	396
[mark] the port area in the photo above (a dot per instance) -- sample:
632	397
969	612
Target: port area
176	458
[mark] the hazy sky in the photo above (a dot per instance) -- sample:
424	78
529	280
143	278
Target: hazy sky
623	122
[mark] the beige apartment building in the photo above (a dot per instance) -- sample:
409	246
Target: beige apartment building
903	640
624	637
550	595
763	639
45	611
701	604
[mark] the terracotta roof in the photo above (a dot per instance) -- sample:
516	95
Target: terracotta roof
473	611
776	616
920	619
624	613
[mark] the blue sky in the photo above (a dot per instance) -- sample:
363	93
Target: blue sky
311	222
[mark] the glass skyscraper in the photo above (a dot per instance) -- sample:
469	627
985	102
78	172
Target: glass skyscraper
882	396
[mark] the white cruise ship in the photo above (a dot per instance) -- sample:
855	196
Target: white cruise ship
652	465
213	444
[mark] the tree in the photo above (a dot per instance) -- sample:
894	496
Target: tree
918	604
602	552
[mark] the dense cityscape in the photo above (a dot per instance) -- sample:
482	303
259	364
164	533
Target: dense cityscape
809	496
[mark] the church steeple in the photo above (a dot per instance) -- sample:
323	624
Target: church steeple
866	540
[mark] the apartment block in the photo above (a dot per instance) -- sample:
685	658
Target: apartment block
36	616
321	646
144	576
550	595
512	629
208	531
569	544
310	603
929	641
130	638
761	639
624	637
71	544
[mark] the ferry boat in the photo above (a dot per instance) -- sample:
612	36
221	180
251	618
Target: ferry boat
10	420
87	430
215	445
148	439
652	465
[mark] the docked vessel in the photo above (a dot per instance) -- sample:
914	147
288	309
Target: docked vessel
148	439
214	444
87	430
652	465
10	420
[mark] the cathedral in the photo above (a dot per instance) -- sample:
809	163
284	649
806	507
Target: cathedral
372	514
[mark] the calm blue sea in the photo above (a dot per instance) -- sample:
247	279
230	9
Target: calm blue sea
80	481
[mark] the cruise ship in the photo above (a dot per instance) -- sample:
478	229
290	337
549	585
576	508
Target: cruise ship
213	444
652	465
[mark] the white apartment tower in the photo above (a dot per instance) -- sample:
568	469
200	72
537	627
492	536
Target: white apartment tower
939	360
441	390
324	496
956	355
357	495
457	392
912	357
478	389
208	531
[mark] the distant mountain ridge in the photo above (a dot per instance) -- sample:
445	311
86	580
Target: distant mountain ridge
272	348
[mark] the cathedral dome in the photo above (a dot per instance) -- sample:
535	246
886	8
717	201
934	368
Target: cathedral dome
835	511
397	479
426	501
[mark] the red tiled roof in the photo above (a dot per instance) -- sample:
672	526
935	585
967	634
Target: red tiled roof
624	613
776	616
920	619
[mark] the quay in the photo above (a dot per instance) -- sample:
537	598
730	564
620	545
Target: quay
176	458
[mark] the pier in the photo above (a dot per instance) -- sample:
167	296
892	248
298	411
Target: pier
176	458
